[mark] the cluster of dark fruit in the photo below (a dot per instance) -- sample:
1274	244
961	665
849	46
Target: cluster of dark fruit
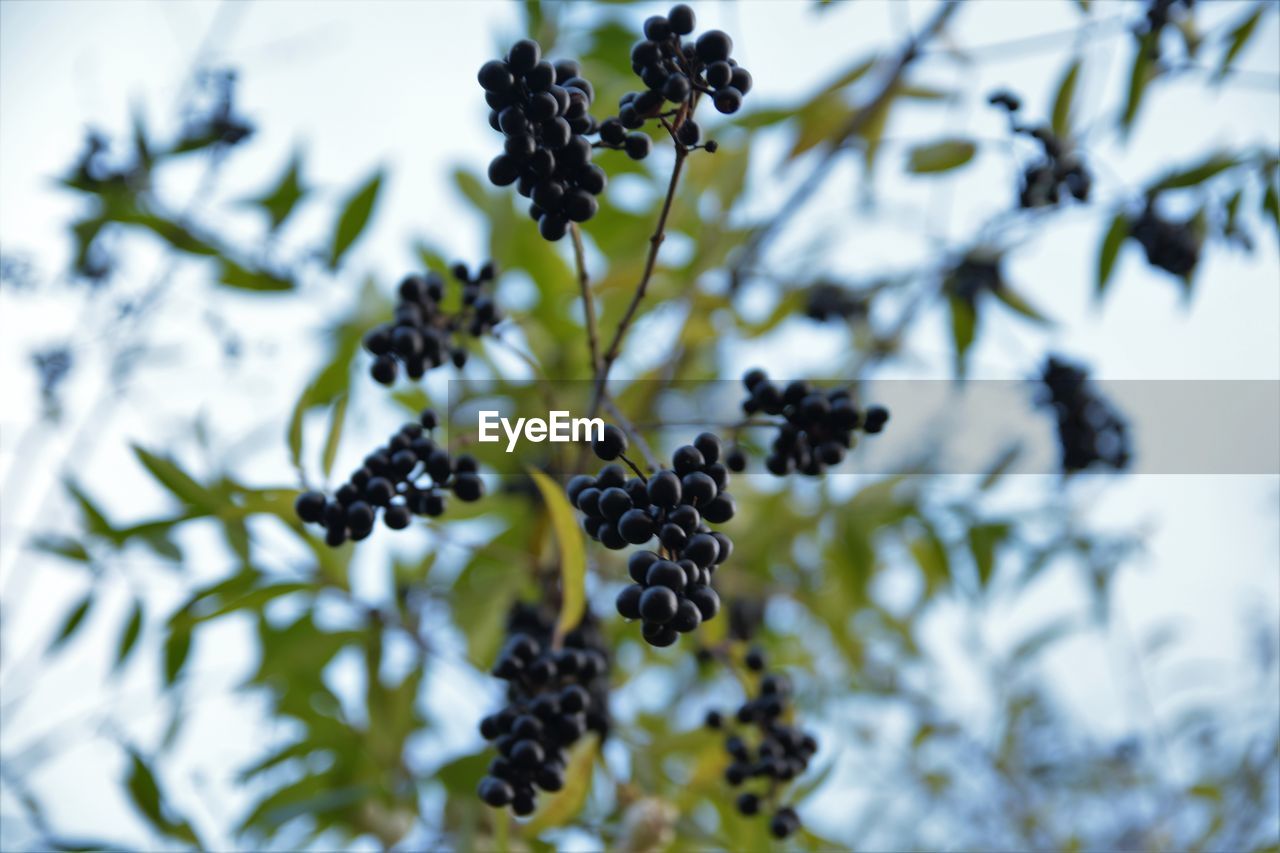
1044	180
672	592
1171	246
781	752
819	425
826	301
675	75
422	335
1090	431
391	479
975	274
553	698
543	111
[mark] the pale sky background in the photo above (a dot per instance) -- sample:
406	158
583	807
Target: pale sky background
393	83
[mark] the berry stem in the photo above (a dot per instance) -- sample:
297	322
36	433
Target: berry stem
584	286
646	451
655	243
862	117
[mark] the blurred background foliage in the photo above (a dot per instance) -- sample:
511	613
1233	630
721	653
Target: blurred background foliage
343	763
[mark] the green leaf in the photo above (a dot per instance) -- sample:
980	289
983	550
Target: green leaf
280	201
129	636
1197	174
563	806
1000	467
1271	204
232	274
177	648
573	558
964	321
73	622
146	797
61	546
1238	38
1109	250
942	156
294	433
983	540
1062	102
173	478
1015	301
1139	76
337	418
94	521
355	215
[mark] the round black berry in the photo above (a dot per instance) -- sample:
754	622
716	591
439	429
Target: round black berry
681	19
638	145
728	100
714	46
310	506
658	604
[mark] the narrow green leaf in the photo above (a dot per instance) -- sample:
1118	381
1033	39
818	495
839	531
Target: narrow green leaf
144	791
1271	204
73	622
1000	467
355	215
942	156
1196	174
983	541
177	648
573	558
1063	101
94	521
1030	647
233	275
281	200
563	806
1018	303
61	546
1139	76
181	484
1109	250
294	433
129	636
963	326
337	418
1238	38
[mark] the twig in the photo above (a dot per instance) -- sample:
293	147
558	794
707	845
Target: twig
646	451
855	126
584	287
655	243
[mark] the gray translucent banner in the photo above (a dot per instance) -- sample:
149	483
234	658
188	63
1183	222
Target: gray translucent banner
935	427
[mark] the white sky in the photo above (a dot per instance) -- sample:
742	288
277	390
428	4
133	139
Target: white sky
392	83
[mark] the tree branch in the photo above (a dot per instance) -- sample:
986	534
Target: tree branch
855	126
584	287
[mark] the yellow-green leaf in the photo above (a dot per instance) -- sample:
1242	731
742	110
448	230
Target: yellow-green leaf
1064	99
564	805
942	156
573	556
1110	250
336	420
355	215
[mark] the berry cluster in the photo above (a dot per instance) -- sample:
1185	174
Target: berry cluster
1171	246
819	425
1090	430
391	480
672	592
676	73
826	301
975	274
422	335
553	698
543	111
764	747
1059	168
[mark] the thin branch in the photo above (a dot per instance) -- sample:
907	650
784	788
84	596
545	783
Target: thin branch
855	126
584	287
655	243
646	451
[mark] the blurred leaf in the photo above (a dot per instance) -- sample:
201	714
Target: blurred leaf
336	420
942	156
94	521
1062	102
181	484
1238	38
1139	76
1197	174
819	123
232	274
61	546
1030	647
177	647
1109	250
280	201
963	323
129	636
1000	467
983	541
1271	204
145	794
563	806
355	215
1015	301
573	558
73	622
